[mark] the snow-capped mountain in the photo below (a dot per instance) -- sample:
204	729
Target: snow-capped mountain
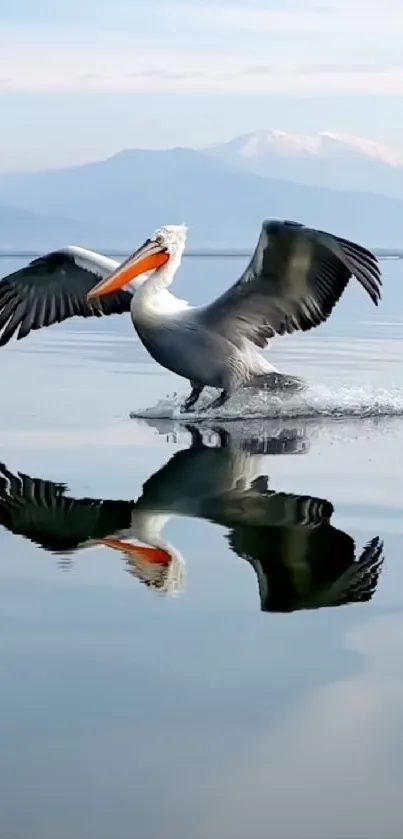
323	159
323	144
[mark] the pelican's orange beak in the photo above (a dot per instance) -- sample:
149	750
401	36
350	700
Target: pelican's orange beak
156	556
150	256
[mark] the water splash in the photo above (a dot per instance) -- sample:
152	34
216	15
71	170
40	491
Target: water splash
315	401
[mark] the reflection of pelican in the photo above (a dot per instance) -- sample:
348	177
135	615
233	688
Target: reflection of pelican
300	559
293	281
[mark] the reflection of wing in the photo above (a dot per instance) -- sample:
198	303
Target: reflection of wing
307	566
40	511
358	583
260	508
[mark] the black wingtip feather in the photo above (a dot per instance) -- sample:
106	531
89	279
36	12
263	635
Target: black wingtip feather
49	290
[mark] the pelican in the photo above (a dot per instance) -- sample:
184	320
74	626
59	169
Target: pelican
301	561
294	278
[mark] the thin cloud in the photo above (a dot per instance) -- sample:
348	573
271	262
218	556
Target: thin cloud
359	17
259	70
325	10
331	69
234	82
301	63
86	77
164	74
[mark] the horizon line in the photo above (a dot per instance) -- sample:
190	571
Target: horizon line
194	253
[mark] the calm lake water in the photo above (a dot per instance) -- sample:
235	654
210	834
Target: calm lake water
249	683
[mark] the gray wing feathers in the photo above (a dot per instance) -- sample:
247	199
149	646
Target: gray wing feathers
54	287
293	281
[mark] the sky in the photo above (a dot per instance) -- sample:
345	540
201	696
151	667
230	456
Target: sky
82	79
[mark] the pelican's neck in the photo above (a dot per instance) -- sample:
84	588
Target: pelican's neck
148	527
161	279
153	294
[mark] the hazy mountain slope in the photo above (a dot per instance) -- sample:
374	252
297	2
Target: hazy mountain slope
117	201
20	228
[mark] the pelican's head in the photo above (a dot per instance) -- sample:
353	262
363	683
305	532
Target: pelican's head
159	568
166	245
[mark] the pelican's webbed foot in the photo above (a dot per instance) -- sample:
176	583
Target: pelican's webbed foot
192	398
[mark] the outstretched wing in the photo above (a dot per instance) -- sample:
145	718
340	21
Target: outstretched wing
40	511
53	288
293	281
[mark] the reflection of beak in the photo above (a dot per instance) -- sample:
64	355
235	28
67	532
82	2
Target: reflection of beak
150	256
155	556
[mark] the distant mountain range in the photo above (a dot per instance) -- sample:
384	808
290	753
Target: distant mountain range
222	193
324	144
23	229
325	159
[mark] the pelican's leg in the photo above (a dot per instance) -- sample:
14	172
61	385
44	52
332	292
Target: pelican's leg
196	437
221	399
223	436
192	398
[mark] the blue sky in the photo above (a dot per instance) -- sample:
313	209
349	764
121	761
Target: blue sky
81	79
